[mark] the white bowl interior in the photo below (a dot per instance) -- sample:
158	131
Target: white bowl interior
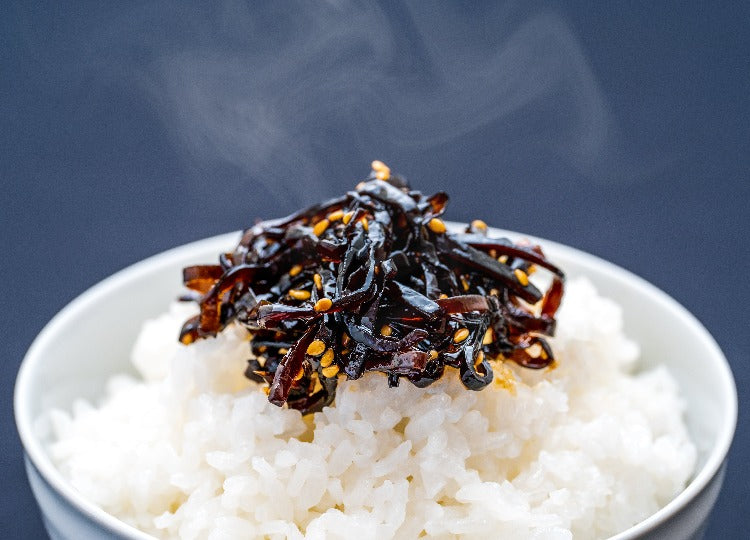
91	338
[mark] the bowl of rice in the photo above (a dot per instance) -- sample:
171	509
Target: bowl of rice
129	434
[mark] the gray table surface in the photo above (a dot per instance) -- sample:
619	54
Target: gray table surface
621	129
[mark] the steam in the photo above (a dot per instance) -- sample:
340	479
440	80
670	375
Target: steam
267	90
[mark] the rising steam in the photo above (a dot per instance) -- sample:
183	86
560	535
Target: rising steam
265	89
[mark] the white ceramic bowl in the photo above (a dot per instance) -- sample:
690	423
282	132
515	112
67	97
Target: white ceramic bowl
72	358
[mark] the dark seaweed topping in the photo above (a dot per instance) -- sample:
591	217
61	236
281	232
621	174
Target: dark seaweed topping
373	281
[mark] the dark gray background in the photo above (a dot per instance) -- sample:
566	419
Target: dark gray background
621	129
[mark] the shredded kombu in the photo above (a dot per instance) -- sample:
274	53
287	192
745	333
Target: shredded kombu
373	281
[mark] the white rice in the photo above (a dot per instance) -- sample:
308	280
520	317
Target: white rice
194	450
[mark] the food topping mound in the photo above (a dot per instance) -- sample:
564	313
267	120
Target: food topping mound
374	281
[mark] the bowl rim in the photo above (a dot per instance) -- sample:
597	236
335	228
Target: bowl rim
39	458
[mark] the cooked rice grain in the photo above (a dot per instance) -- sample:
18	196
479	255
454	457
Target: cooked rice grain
196	451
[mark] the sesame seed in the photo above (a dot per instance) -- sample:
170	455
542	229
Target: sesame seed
347	217
479	359
266	390
488	337
316	348
345	339
386	330
262	349
330	371
283	350
383	175
318	281
436	225
335	216
479	225
460	335
433	354
443	296
494	292
320	227
378	165
299	374
327	358
299	294
464	283
521	276
365	224
324	304
502	259
478	367
534	350
294	270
